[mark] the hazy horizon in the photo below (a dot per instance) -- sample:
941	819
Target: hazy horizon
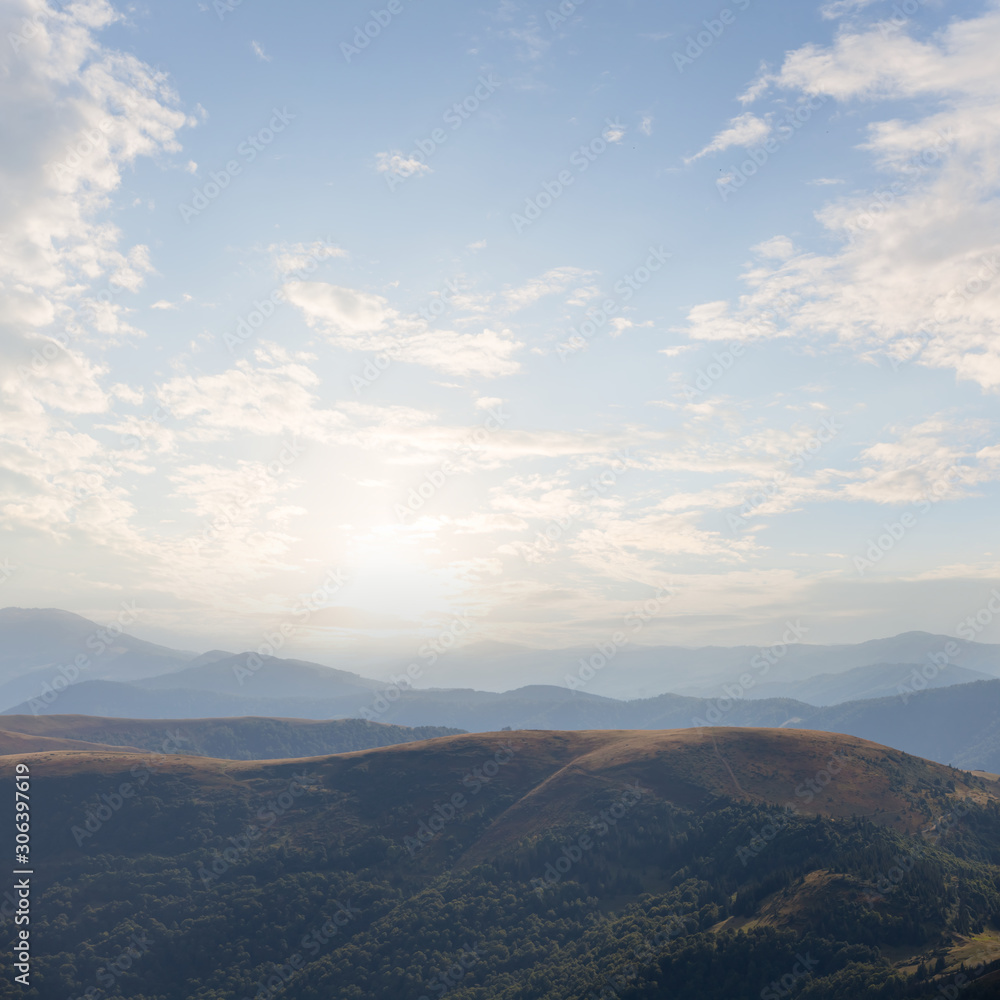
595	307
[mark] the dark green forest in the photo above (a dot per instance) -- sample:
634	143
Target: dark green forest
308	891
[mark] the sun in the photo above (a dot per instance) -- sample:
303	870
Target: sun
398	570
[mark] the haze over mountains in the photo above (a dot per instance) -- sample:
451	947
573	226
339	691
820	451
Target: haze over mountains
438	835
930	699
37	642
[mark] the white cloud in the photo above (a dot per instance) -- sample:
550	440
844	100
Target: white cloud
531	44
839	8
399	164
343	311
646	125
361	321
744	130
166	304
259	52
554	281
934	460
77	116
290	258
916	278
758	87
615	132
776	248
716	321
489	354
275	396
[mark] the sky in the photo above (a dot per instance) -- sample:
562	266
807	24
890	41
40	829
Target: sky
354	322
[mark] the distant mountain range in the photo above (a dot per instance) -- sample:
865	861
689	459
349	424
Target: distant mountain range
944	712
646	671
958	725
40	646
877	680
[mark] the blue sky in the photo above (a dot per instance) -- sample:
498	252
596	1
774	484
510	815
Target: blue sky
698	299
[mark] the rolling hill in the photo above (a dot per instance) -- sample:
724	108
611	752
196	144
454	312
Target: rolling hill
957	724
235	739
539	865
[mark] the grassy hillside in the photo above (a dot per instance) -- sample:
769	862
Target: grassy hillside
517	865
236	739
20	743
955	725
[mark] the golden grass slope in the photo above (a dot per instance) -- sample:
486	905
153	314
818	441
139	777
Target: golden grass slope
552	778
